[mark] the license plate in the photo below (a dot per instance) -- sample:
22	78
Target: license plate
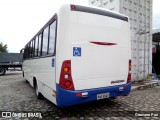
102	96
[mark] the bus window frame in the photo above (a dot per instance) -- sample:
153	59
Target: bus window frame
48	54
53	19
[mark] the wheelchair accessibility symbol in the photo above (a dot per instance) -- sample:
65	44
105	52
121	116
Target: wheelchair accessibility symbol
76	51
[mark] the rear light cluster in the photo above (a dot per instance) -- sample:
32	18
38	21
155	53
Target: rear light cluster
65	76
129	72
73	7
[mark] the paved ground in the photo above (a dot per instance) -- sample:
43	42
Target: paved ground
17	95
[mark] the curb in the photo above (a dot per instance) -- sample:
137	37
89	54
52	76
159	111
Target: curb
144	86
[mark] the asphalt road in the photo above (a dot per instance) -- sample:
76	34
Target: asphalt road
18	96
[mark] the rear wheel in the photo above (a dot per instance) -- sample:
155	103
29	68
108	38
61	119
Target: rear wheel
38	94
2	71
26	81
23	73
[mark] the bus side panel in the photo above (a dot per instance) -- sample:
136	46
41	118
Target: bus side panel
27	72
44	72
61	44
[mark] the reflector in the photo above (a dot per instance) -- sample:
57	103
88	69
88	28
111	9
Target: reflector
66	69
73	7
67	84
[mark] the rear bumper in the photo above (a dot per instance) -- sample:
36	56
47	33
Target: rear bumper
68	98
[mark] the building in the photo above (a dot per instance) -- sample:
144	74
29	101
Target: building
156	51
140	14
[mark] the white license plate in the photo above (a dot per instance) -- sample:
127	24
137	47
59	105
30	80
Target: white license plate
102	96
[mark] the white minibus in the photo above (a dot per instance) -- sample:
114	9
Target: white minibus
81	54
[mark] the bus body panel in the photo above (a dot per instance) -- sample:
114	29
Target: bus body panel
68	98
44	73
62	50
98	65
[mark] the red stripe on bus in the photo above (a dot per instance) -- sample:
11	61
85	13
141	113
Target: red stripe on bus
103	43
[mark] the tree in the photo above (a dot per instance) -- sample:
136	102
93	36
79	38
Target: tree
3	48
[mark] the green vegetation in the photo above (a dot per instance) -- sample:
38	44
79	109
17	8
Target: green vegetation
3	48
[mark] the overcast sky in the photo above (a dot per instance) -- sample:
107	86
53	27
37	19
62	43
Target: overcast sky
21	19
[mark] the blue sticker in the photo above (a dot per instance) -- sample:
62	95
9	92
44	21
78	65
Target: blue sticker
52	62
76	51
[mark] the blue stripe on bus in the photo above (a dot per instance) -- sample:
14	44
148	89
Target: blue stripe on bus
68	98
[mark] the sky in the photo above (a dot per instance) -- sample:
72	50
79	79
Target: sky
156	14
20	20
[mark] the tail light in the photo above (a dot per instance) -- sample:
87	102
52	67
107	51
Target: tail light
73	7
65	76
129	72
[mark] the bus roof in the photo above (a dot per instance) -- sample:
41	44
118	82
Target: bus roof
87	9
99	11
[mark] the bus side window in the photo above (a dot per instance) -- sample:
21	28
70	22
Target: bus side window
33	46
45	41
29	50
26	52
52	33
36	47
39	45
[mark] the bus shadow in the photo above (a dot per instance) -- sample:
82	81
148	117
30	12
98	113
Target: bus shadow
91	109
91	105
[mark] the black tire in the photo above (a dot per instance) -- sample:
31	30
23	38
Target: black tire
38	94
23	73
26	81
2	71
